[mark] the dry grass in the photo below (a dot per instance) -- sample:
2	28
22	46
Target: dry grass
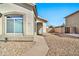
62	46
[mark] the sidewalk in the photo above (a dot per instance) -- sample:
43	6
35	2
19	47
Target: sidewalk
40	48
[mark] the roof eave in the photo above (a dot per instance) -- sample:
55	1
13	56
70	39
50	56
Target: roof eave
71	14
42	19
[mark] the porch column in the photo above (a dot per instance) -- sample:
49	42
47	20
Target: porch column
44	27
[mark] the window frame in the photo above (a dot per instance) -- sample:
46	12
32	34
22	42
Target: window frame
14	34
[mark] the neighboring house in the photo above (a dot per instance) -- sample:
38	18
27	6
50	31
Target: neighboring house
72	23
20	19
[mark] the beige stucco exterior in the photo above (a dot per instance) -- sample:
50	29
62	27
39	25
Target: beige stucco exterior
28	17
29	26
0	26
43	25
72	21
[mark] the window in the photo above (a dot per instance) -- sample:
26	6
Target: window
14	24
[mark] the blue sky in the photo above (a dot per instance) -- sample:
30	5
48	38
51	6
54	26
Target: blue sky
55	12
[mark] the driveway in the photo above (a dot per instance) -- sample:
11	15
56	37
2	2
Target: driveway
62	46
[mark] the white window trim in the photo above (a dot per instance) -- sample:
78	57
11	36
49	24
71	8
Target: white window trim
13	34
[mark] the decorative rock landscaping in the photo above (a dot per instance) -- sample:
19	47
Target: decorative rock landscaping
24	48
62	45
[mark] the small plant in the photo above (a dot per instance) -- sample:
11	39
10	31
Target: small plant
6	39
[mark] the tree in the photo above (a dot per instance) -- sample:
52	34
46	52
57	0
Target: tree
50	26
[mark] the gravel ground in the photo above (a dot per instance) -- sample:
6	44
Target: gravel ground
14	48
22	47
62	46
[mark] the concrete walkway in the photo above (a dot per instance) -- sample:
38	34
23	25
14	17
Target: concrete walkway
40	48
74	35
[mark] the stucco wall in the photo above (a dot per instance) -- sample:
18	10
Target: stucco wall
29	17
59	30
73	21
44	25
1	26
